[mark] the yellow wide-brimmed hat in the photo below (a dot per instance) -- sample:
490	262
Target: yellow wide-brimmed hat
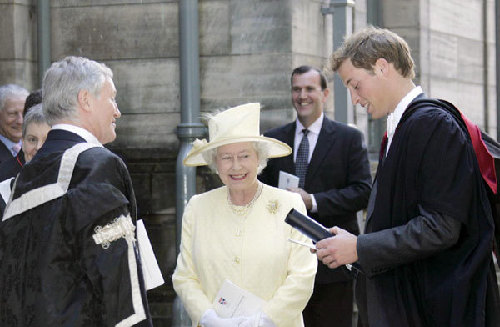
235	125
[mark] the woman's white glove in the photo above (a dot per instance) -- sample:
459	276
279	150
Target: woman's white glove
260	319
211	319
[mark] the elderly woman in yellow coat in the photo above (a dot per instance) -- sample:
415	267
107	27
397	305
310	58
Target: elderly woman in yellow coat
237	232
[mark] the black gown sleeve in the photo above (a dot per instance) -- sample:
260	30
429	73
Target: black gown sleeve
421	237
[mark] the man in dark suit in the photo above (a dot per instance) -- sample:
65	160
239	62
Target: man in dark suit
12	99
334	182
427	247
68	237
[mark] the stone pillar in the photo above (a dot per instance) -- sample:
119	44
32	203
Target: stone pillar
342	27
17	43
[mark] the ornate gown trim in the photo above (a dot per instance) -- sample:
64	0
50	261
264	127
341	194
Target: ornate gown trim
121	227
139	313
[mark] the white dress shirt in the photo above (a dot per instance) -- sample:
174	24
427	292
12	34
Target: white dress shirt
10	145
312	137
394	118
82	132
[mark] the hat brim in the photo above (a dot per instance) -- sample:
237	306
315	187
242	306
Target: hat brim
275	149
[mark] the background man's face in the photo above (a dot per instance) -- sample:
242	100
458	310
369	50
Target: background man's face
307	96
11	119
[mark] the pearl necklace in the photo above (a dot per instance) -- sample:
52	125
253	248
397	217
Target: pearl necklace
244	209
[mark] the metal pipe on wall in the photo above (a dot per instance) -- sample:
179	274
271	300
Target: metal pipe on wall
190	126
376	127
43	38
342	27
485	66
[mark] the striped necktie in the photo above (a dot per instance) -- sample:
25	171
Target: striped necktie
301	162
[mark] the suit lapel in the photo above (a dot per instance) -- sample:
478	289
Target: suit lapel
4	151
289	138
326	139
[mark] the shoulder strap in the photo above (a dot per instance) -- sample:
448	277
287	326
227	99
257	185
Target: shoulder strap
438	103
483	155
34	198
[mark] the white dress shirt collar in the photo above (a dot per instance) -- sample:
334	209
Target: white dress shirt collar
394	118
312	136
10	145
314	128
82	132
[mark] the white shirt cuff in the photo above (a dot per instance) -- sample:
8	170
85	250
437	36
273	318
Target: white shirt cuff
314	204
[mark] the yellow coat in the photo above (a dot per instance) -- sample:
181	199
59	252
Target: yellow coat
252	252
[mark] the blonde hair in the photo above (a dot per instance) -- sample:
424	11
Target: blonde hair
366	46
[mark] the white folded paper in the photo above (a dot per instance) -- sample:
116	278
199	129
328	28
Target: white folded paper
287	180
5	189
233	301
150	270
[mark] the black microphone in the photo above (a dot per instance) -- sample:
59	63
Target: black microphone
312	229
307	226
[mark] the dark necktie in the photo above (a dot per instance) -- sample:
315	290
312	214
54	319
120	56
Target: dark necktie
383	148
16	147
302	157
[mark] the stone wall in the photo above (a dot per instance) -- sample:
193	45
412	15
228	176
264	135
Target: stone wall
18	43
247	51
453	42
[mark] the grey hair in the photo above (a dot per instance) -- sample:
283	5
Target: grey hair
64	80
34	116
210	157
11	91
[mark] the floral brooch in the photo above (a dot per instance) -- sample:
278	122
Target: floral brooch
273	206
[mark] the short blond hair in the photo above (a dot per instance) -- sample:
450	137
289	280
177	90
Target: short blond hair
365	47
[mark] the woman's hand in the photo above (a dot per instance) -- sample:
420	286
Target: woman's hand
260	319
211	319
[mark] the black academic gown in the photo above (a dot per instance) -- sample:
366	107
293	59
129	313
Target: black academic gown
54	272
430	169
5	153
12	166
9	169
